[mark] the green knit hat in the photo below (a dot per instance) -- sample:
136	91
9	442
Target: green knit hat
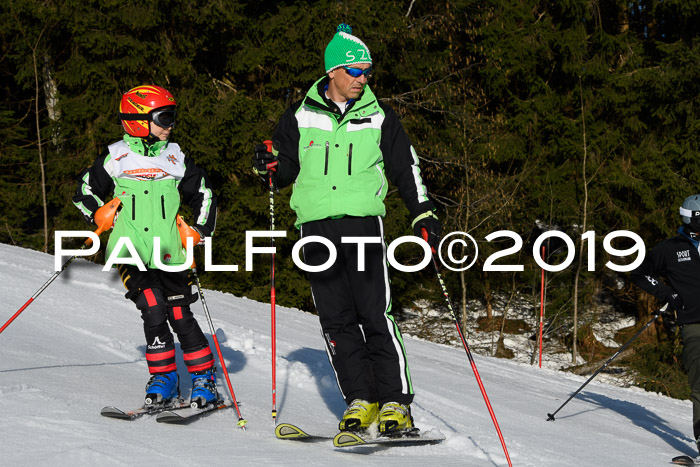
345	49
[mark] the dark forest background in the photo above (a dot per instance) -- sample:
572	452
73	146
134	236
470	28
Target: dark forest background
575	115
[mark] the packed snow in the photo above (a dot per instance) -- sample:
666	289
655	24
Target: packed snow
80	347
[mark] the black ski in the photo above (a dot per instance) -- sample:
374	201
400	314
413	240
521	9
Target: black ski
294	433
115	412
684	460
188	414
409	437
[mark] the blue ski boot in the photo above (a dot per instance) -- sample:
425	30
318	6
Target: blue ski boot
162	388
203	388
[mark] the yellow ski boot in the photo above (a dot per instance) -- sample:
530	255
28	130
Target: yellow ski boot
359	415
394	417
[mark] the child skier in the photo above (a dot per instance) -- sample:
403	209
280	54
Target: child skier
149	175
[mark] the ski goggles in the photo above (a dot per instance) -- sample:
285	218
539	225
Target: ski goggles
357	72
694	215
163	117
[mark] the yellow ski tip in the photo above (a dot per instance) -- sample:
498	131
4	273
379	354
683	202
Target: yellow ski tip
287	431
345	438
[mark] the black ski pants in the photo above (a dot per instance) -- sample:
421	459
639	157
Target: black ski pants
691	363
164	301
362	339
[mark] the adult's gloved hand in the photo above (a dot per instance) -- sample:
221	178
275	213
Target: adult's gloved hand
427	227
668	312
675	304
263	160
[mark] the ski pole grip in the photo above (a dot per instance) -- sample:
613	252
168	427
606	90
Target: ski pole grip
272	166
186	231
424	235
104	217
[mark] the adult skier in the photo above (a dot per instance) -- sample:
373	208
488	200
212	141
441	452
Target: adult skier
150	175
677	261
339	145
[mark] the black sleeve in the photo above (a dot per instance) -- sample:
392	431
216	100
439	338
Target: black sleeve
401	164
196	190
94	185
647	275
286	141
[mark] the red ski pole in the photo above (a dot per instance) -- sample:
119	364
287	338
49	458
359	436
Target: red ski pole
469	354
273	318
186	231
103	218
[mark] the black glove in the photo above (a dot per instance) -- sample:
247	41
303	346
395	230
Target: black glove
263	160
427	227
670	324
668	315
675	303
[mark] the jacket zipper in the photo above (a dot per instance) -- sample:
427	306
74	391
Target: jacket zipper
162	205
325	170
350	160
133	207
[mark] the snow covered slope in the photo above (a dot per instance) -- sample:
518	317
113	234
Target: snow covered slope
80	347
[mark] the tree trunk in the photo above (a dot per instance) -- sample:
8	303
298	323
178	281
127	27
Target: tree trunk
488	297
583	229
594	366
42	165
51	100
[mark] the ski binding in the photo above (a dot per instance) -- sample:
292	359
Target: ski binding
188	413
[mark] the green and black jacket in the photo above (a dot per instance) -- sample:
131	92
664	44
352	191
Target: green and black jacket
340	162
149	181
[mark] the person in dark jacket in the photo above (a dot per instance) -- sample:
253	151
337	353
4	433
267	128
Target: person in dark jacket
150	175
339	146
671	273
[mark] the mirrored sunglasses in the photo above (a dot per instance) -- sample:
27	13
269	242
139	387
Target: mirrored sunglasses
357	72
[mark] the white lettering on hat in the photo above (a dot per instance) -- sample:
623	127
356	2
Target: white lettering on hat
350	56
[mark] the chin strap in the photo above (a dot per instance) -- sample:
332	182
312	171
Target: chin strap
150	140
